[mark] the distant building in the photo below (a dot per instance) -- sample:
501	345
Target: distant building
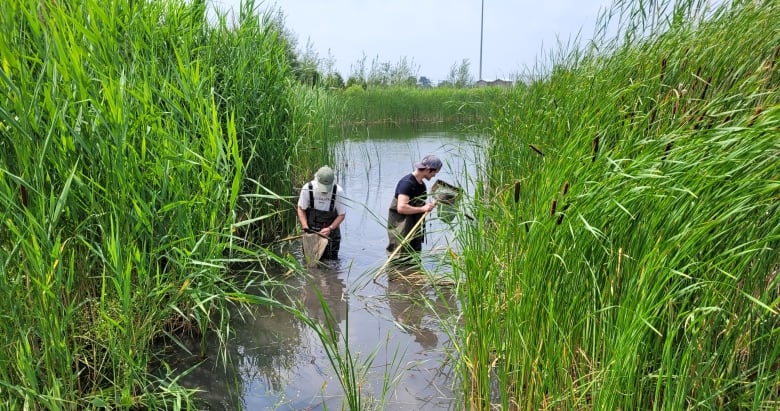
494	83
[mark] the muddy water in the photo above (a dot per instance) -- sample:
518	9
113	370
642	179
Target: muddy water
398	331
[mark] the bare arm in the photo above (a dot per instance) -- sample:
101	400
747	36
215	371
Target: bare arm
334	225
302	218
405	208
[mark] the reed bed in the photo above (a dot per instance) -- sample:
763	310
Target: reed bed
631	196
405	105
144	151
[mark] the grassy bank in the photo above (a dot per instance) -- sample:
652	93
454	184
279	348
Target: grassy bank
140	147
409	105
631	198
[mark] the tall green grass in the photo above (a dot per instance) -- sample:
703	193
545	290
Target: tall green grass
140	149
282	127
631	196
350	370
403	105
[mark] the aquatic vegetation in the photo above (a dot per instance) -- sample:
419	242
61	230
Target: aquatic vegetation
139	160
630	197
404	105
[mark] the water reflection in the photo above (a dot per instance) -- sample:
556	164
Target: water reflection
323	281
417	305
275	362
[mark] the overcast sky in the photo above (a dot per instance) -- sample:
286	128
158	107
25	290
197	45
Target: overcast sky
435	34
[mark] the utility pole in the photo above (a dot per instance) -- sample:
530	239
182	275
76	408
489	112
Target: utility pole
481	30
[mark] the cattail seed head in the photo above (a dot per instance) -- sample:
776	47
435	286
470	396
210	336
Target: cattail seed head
756	113
663	68
23	196
666	150
563	210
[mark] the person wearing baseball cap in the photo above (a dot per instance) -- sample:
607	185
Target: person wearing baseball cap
409	205
321	208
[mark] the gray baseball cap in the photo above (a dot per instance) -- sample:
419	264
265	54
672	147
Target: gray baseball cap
324	178
429	161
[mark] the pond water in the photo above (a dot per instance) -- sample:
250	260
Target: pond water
398	330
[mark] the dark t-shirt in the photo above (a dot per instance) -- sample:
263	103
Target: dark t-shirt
401	226
410	187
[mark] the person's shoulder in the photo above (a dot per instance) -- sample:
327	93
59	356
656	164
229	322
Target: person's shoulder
407	179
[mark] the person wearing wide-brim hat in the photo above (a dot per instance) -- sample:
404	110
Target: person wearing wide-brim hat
321	209
409	205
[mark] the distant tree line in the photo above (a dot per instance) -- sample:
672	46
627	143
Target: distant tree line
311	69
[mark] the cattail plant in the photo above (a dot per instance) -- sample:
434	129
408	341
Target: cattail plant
659	289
